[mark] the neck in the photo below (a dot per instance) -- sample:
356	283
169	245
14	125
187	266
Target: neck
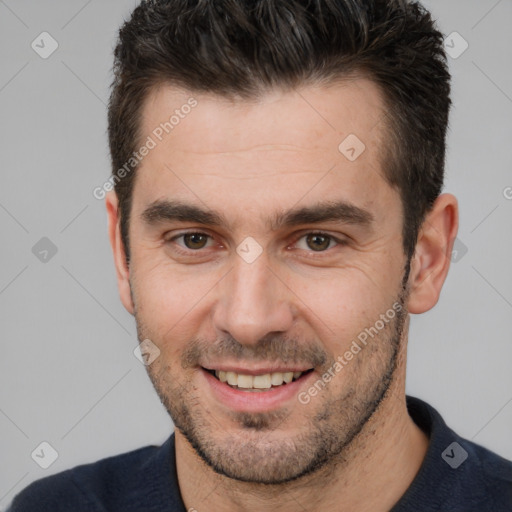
370	475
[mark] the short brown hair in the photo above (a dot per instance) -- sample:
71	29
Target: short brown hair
244	47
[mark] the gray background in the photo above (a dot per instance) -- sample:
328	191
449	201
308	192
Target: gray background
68	375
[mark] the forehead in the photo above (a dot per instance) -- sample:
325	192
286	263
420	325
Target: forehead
284	147
301	117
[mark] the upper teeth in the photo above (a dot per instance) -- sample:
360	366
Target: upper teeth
257	381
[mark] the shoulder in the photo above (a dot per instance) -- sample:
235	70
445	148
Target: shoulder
495	473
482	481
457	474
87	487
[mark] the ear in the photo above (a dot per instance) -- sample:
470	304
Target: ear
122	269
432	256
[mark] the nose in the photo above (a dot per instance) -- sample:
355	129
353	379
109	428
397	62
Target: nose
253	303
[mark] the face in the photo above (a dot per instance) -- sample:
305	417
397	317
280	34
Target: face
267	267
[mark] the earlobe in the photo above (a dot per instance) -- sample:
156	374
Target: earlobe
431	260
122	269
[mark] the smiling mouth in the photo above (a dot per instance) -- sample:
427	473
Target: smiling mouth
256	383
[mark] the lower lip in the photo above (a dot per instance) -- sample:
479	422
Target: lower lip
255	401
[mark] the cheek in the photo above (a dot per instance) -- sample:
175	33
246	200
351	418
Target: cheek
342	304
170	305
166	292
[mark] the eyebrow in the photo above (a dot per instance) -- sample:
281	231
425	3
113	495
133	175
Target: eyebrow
340	211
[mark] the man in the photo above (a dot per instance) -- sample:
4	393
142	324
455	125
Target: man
277	215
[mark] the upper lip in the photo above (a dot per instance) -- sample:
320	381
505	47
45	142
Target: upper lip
259	370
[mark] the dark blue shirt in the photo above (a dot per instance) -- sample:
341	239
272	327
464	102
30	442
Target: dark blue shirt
455	476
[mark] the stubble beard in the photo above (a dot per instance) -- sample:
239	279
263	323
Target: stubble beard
256	451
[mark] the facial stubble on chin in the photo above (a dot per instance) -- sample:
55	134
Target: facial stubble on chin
252	452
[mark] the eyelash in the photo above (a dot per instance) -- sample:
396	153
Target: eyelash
188	252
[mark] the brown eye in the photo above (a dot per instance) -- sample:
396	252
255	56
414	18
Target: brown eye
318	242
195	240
